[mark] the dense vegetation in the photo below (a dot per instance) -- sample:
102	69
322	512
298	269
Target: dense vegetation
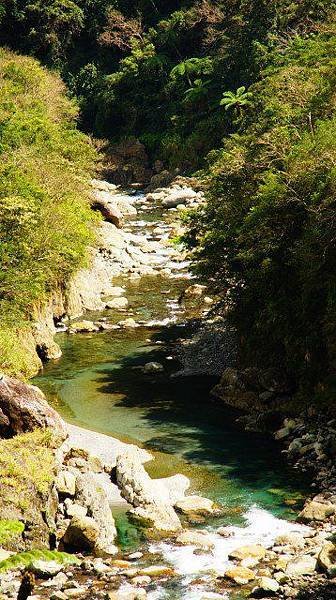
267	236
44	168
249	84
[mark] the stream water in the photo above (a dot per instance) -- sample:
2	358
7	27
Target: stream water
98	384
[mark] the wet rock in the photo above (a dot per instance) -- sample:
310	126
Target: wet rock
196	505
153	367
225	532
252	551
138	489
317	511
294	540
195	538
24	408
301	565
128	324
156	571
84	327
127	594
239	575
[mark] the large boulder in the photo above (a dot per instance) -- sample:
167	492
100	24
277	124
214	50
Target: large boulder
143	494
23	408
317	511
92	496
82	533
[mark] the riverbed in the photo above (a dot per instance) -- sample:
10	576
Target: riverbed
99	384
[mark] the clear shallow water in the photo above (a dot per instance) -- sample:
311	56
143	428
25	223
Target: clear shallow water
98	384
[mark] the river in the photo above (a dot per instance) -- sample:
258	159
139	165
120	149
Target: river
99	384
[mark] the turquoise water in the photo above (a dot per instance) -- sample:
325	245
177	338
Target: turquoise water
98	384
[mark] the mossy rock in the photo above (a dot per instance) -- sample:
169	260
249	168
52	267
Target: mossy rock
23	560
10	529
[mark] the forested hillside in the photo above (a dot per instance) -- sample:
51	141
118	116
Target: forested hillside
45	216
244	92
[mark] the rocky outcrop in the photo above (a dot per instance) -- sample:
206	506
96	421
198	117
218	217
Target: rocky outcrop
24	408
126	162
141	492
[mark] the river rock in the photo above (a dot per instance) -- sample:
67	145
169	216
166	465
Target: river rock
156	571
195	538
94	498
82	533
252	551
196	505
301	565
23	407
240	575
127	594
84	327
153	367
266	586
317	511
178	196
45	569
292	539
137	488
327	559
117	303
128	323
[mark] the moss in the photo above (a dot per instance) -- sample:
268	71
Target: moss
25	559
26	475
10	529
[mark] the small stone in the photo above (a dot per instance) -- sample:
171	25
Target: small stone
153	367
157	571
117	303
141	580
128	324
195	505
240	575
135	556
225	532
327	559
253	551
58	596
266	584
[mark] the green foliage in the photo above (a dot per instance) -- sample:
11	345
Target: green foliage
266	237
235	100
44	207
23	560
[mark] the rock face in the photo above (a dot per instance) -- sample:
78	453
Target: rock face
141	492
24	408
